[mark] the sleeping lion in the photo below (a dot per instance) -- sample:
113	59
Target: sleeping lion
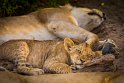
49	56
33	57
52	23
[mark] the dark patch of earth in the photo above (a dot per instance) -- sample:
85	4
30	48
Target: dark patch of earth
112	28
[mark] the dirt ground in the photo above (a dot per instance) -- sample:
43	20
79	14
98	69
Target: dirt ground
112	28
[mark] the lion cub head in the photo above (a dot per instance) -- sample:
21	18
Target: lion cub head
79	53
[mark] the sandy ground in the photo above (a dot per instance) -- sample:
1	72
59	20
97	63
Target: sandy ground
112	28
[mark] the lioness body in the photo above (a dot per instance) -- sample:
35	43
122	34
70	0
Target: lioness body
52	23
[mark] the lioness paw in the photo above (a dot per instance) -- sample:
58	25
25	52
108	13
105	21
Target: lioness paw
109	47
30	71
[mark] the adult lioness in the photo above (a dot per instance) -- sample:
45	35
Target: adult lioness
52	23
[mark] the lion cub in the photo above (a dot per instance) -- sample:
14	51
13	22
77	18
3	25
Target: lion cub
44	56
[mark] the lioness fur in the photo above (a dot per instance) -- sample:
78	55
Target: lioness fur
51	23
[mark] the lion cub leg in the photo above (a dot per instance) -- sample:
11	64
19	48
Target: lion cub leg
56	67
21	52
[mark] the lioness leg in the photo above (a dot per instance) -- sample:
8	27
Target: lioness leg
18	54
69	30
55	67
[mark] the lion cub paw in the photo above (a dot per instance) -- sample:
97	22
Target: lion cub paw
65	71
30	71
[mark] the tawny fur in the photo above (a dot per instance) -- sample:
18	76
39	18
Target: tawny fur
51	23
33	57
49	56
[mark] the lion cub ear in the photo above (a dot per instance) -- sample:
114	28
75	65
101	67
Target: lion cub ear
86	49
68	43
